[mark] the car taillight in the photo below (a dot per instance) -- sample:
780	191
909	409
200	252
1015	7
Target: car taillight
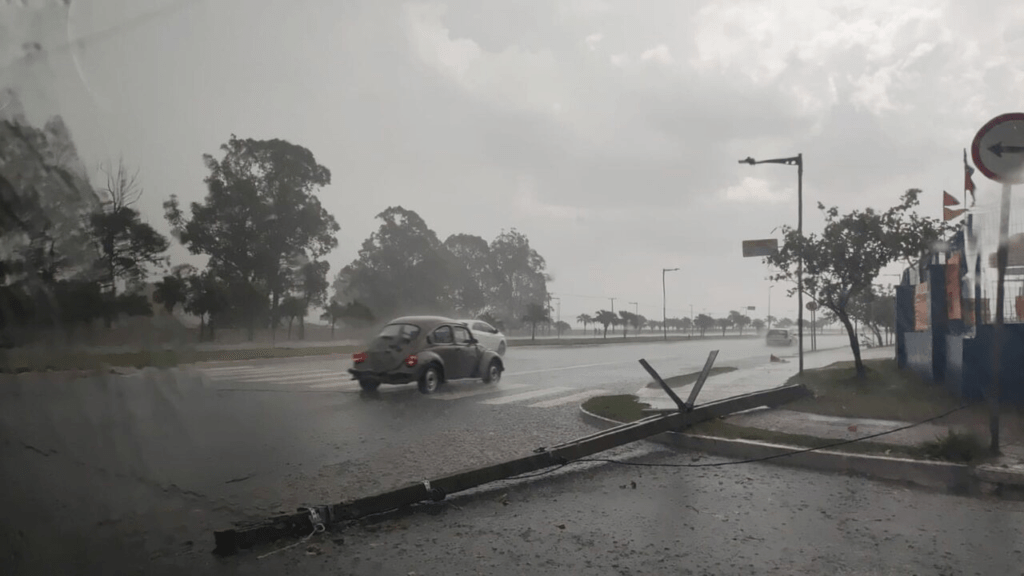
411	360
359	357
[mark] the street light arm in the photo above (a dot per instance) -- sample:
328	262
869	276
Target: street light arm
794	161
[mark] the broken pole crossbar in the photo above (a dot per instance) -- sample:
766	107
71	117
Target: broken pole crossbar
301	523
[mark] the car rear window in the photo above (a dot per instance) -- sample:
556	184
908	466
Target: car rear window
400	331
778	333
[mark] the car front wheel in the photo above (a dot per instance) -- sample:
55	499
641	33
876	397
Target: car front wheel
430	380
493	374
369	385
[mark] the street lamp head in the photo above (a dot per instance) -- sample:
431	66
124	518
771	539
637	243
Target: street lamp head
669	269
748	160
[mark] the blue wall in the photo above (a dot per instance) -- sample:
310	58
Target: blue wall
954	379
977	363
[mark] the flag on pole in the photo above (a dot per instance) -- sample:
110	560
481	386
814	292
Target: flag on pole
948	214
948	199
968	182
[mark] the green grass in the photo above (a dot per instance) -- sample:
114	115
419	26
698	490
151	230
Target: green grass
955	447
677	381
886	393
621	408
21	361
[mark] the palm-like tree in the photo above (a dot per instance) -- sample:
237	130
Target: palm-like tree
605	318
585	319
724	324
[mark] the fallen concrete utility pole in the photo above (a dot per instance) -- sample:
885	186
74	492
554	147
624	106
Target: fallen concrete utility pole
312	519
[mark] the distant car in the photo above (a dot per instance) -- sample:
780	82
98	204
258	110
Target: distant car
779	337
428	350
488	335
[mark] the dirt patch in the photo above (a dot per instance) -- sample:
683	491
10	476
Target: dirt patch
621	408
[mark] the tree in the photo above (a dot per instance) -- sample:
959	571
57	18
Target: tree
401	266
313	287
562	326
584	319
758	324
472	276
260	214
208	297
127	246
490	319
292	307
332	313
170	291
739	320
535	314
843	261
785	323
703	323
724	324
876	311
605	318
686	324
518	274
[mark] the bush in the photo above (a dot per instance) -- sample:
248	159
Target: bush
954	447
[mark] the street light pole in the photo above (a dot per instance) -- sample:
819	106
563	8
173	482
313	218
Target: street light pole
636	313
770	306
664	311
798	161
558	329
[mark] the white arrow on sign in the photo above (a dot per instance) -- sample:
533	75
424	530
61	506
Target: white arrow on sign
998	149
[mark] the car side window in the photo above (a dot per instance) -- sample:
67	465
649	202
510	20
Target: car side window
443	335
485	327
461	335
480	327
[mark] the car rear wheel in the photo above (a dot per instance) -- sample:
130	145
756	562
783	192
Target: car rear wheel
369	385
493	374
501	349
430	380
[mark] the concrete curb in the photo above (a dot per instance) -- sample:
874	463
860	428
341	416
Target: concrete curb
957	478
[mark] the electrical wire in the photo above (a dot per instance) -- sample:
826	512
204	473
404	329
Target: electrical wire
749	460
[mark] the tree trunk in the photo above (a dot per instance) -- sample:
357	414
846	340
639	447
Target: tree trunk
332	327
854	345
302	327
606	331
202	326
275	300
533	333
290	320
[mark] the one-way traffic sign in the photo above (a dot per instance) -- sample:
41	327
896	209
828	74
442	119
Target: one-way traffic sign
998	149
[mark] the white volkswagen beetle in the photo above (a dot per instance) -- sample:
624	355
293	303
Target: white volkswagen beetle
489	336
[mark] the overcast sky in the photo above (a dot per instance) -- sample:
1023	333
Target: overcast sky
607	131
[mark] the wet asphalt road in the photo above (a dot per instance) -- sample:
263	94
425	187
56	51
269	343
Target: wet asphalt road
140	469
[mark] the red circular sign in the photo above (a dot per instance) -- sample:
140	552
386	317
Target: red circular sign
998	148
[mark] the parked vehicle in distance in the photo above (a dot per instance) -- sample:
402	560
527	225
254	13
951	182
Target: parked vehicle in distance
779	337
488	335
428	350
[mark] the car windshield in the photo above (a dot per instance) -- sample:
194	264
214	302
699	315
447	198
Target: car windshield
406	332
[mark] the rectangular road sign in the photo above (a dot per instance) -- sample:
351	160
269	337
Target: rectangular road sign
755	248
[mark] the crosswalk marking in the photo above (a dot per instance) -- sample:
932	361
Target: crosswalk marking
298	377
525	395
476	391
567	399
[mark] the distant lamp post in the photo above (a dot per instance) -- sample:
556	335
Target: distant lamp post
558	321
770	306
664	314
797	161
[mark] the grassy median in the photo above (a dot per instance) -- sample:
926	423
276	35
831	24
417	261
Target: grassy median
30	361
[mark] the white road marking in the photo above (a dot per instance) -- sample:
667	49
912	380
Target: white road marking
313	376
525	395
567	399
262	372
483	389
